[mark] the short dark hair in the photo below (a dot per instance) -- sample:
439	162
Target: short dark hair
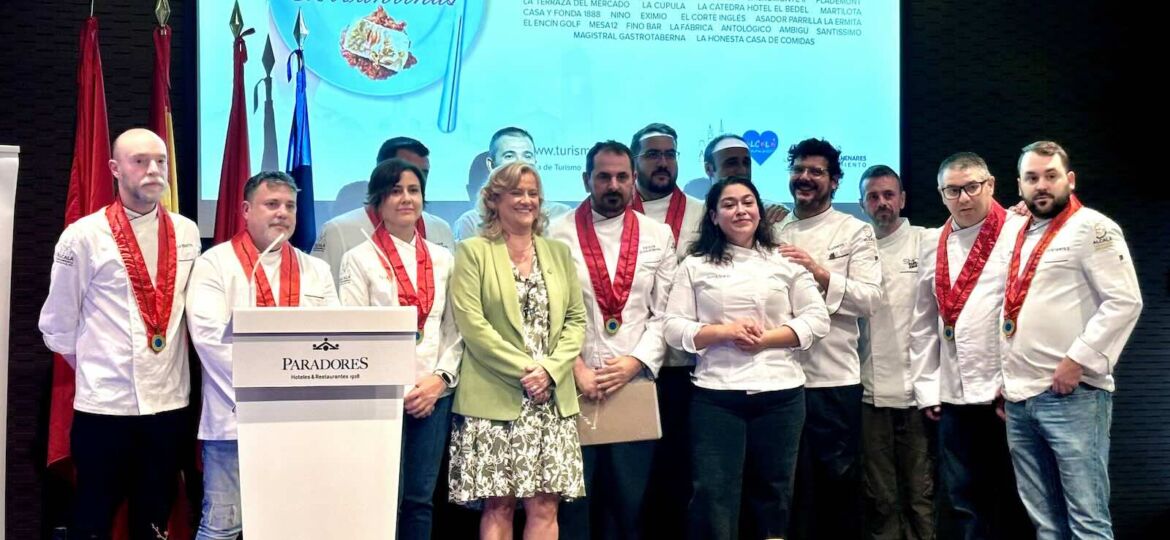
963	161
636	142
712	243
709	151
268	177
878	171
611	146
386	175
508	131
817	147
1046	149
391	147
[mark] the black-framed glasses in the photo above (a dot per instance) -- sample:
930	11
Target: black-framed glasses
815	172
971	189
655	155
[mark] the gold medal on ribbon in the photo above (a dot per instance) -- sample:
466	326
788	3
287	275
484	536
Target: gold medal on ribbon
158	342
612	326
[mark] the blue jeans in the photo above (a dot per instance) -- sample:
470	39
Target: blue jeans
221	519
1060	451
423	443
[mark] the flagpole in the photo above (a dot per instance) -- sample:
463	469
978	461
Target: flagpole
299	160
161	120
236	166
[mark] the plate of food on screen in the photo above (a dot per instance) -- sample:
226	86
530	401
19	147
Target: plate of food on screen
377	45
387	50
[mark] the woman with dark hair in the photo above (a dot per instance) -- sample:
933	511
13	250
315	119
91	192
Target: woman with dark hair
398	267
741	307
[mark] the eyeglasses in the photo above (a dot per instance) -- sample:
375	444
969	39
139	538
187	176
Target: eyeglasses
972	189
815	172
655	155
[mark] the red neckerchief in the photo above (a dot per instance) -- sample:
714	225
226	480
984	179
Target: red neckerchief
611	296
424	298
674	212
952	299
1017	286
290	273
154	302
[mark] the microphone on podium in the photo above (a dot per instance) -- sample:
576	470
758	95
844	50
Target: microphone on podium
252	276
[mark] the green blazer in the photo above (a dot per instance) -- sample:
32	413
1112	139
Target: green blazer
487	311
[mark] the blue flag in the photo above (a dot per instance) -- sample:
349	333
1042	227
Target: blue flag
300	161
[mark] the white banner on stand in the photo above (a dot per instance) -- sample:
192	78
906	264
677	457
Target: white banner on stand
9	159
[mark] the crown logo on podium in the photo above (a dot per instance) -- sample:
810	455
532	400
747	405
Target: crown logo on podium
325	345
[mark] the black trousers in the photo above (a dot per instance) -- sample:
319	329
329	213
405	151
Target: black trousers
828	500
733	432
976	475
670	474
616	476
126	456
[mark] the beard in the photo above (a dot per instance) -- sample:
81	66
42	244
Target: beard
648	185
1058	204
610	204
884	218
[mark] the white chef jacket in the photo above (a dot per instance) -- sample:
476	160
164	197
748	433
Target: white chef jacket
885	343
364	282
688	233
219	283
343	232
91	317
965	370
1083	303
692	219
845	247
764	287
640	334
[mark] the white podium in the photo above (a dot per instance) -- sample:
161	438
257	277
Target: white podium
319	402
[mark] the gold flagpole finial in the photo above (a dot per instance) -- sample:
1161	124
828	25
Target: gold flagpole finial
300	31
162	12
237	21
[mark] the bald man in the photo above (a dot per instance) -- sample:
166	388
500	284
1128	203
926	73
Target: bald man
115	312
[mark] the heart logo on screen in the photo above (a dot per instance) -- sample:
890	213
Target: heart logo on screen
761	145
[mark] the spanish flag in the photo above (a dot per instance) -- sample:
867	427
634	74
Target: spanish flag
160	111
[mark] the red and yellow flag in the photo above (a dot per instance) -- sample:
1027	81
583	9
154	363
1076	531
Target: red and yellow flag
160	111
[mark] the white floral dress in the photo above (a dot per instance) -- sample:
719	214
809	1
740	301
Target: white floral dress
539	452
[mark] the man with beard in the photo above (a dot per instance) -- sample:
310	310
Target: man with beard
507	145
954	350
898	469
115	313
221	281
623	337
655	149
1058	370
841	253
343	232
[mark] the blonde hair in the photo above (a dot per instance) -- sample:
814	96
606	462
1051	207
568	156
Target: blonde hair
502	180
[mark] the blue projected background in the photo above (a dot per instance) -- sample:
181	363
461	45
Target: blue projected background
571	72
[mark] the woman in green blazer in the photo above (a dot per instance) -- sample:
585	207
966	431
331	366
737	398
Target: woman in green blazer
518	307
